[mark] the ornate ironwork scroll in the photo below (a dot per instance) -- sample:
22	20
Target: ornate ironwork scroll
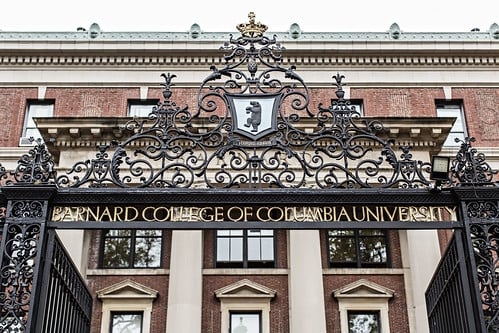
35	167
253	128
484	232
469	166
18	258
20	261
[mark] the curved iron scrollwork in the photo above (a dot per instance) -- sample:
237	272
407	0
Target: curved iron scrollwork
35	167
469	166
484	234
485	239
248	133
253	128
27	209
170	149
16	276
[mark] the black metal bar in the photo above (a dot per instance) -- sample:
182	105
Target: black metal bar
449	303
68	302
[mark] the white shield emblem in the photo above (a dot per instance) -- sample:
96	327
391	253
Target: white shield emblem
254	116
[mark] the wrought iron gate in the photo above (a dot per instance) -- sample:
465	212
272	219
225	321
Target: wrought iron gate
68	302
449	299
337	157
42	291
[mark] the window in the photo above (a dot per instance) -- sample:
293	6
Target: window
359	107
132	248
245	307
245	248
35	109
126	322
363	322
363	307
141	108
355	104
357	248
126	307
458	130
241	322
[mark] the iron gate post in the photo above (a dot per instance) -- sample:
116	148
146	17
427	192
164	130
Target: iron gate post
480	216
23	249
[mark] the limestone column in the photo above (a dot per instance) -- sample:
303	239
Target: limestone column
306	292
420	257
185	287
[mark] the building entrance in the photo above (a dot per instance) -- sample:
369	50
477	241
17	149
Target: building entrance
254	155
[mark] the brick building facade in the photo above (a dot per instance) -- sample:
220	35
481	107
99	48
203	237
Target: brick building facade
90	82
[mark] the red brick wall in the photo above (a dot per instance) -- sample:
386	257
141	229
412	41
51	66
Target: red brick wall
481	109
480	104
91	102
398	102
394	102
12	113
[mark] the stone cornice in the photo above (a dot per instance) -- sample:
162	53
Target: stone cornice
141	49
65	133
333	58
159	36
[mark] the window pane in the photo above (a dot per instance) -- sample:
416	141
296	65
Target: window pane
116	252
267	249
236	232
148	233
126	323
230	245
458	129
132	249
147	252
223	249
36	109
245	248
342	246
141	108
119	233
373	250
236	249
358	248
254	250
245	323
359	322
372	246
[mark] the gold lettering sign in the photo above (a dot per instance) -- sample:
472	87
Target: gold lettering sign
250	213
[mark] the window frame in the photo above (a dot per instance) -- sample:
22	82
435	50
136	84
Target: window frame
234	313
377	313
245	262
113	313
29	124
133	242
245	296
127	296
357	102
358	263
457	105
364	296
141	102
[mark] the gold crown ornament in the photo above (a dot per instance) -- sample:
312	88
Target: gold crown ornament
251	29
